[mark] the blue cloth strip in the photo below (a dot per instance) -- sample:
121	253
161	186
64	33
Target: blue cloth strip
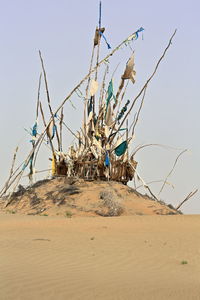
108	45
107	160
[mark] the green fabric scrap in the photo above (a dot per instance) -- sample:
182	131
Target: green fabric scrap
121	149
110	93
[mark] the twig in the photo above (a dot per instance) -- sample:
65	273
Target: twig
176	160
70	130
143	183
191	194
158	145
4	190
61	122
138	114
48	98
33	141
103	88
42	171
38	97
154	181
46	127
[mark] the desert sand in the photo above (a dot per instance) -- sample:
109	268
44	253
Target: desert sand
126	257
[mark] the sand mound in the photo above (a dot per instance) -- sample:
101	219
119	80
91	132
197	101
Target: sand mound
71	197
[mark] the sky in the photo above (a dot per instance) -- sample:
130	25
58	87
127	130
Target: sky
63	31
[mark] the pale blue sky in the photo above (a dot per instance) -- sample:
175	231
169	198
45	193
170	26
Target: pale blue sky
63	31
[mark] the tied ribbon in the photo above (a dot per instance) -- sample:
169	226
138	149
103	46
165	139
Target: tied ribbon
103	36
34	133
107	160
90	105
54	131
110	93
34	130
135	35
123	110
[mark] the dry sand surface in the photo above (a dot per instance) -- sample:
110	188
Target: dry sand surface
134	257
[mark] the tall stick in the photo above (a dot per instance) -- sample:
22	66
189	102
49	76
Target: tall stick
46	126
99	38
61	123
36	123
138	113
127	136
4	190
48	98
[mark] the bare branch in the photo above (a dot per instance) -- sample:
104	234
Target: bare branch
171	170
158	145
143	183
138	113
155	181
191	194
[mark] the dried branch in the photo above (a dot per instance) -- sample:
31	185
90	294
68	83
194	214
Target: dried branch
46	127
176	160
103	89
158	145
33	141
38	96
5	188
138	113
48	98
191	194
61	123
143	183
154	181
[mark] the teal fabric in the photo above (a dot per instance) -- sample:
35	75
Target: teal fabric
121	149
110	92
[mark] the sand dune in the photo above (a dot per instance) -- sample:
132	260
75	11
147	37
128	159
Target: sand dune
137	257
61	196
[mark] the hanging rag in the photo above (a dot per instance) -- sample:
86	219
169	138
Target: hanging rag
90	105
129	72
107	160
123	110
51	130
34	129
93	87
121	149
110	92
53	166
103	36
97	35
109	115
